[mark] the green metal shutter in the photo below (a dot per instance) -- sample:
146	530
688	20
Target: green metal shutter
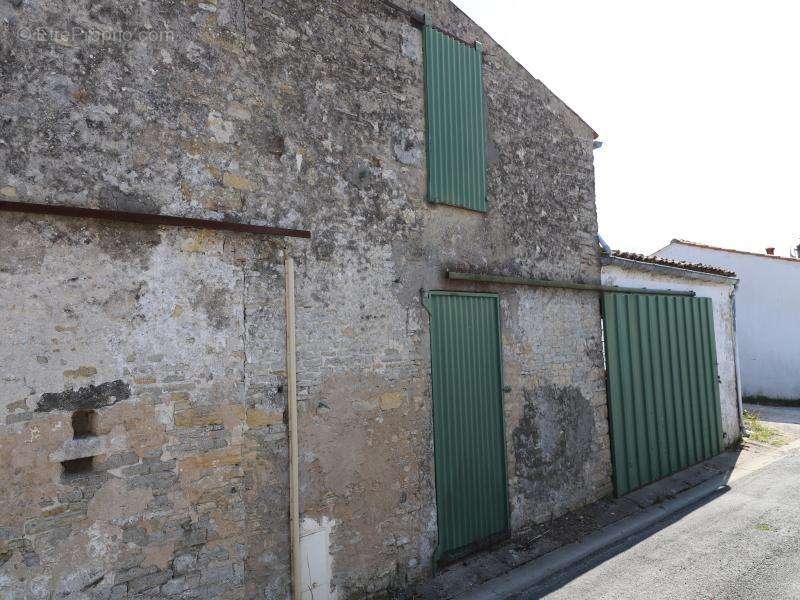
469	438
455	117
663	388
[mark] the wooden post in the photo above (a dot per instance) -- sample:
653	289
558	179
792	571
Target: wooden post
291	407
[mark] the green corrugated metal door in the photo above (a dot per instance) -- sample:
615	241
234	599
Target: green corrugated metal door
455	115
469	439
663	389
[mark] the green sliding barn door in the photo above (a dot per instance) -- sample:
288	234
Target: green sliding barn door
663	391
469	441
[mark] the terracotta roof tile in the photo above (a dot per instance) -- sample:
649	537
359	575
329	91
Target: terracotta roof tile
680	264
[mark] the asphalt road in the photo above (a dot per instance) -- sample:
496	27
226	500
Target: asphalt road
741	543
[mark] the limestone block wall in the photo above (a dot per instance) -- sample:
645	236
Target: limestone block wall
301	114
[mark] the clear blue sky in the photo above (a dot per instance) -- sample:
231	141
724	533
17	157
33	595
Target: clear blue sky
697	103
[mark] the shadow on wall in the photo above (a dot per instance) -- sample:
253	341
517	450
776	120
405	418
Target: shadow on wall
767	401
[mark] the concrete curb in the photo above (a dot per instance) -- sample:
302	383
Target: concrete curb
535	572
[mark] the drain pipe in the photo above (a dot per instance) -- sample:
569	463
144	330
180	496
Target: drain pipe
291	408
606	248
737	372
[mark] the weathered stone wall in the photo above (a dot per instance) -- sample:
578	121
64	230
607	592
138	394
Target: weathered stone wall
155	321
300	114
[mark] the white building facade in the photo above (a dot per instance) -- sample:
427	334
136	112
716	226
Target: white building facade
767	315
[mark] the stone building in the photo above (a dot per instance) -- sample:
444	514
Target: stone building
143	381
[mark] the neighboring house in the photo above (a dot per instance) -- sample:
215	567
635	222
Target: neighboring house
767	321
627	269
143	368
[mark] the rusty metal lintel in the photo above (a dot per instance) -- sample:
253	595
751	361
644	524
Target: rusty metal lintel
456	37
147	219
416	18
419	19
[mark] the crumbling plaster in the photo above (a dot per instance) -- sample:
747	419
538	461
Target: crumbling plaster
299	114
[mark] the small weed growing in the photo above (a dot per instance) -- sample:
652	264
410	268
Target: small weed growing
758	432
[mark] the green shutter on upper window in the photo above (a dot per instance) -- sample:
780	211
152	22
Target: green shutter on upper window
455	117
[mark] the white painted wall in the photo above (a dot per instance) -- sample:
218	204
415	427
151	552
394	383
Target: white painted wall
767	316
720	294
315	559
